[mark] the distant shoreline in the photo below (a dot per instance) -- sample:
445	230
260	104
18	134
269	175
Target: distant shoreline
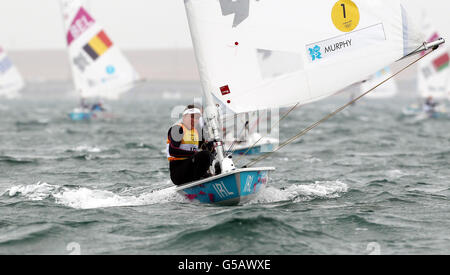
159	65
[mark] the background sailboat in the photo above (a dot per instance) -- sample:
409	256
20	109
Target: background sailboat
11	81
434	70
249	133
99	69
433	74
318	47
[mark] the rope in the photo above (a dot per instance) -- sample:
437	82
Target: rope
236	140
272	126
305	131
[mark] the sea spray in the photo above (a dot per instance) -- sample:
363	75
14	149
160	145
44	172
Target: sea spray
302	192
85	198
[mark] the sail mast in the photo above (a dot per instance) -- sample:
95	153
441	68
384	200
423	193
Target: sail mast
212	122
211	111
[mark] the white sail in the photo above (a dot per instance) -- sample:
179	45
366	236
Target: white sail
434	70
387	90
276	53
98	66
11	81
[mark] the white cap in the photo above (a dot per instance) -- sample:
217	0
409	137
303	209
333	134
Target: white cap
192	111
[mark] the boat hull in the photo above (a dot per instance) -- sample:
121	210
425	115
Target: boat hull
421	114
79	116
233	188
256	150
84	114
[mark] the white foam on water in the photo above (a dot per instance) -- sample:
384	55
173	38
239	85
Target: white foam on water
302	192
85	198
87	148
395	174
34	192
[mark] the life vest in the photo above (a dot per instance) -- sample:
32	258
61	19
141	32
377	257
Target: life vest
189	142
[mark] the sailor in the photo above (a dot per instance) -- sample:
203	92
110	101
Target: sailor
83	104
430	105
97	107
189	154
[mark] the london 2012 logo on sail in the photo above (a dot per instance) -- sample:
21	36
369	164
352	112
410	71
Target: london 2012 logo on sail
315	53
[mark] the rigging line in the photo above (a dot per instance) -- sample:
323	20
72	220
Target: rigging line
235	116
272	126
305	131
236	140
233	145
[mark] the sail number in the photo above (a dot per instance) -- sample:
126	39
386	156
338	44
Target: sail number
240	9
343	7
345	15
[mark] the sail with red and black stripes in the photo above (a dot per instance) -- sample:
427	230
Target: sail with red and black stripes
99	68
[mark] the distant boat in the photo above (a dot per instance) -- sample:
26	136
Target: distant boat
259	55
99	69
255	144
433	72
385	91
11	81
433	76
246	134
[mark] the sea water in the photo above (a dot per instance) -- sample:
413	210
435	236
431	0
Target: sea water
368	181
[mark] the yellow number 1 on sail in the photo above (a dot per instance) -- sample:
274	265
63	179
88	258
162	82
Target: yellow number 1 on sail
345	15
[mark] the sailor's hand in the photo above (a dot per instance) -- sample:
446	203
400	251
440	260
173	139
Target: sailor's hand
209	146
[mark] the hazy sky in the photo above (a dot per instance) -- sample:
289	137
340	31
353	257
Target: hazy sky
132	24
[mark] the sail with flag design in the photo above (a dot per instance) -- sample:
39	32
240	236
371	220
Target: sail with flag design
99	68
255	55
11	81
434	71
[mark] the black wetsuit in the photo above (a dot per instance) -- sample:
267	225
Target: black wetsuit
194	167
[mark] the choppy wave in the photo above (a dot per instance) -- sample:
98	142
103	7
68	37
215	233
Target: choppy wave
16	160
232	234
34	122
26	234
35	192
138	145
85	148
85	198
303	192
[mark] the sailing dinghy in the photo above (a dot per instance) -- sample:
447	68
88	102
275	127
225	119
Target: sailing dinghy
11	81
99	69
317	49
433	76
